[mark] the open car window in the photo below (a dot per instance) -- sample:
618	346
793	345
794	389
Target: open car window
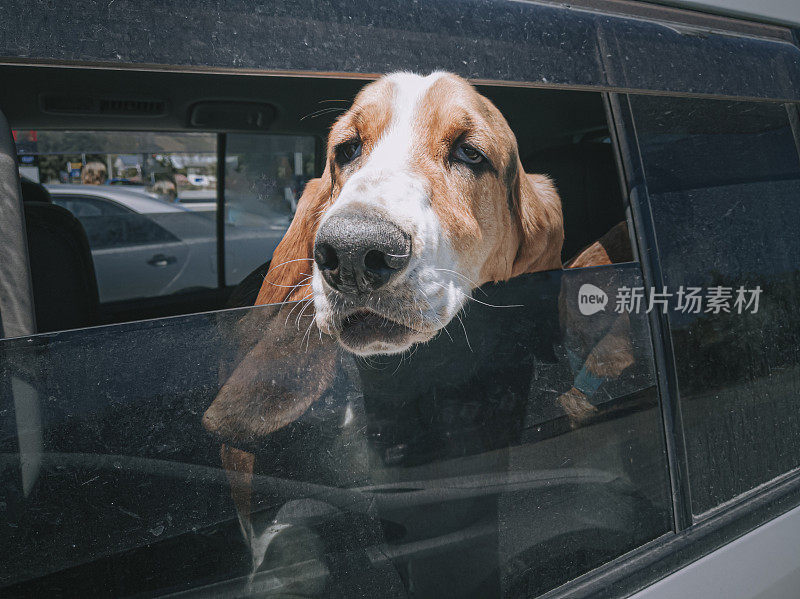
467	465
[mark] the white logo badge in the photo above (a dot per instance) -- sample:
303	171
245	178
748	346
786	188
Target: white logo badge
591	299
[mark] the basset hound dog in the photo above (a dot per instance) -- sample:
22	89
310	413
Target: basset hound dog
423	199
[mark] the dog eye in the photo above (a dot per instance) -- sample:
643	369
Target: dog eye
468	154
349	150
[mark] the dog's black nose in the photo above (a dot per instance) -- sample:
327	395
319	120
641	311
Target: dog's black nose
357	254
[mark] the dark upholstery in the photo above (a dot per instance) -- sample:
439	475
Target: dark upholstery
586	177
64	284
246	292
34	192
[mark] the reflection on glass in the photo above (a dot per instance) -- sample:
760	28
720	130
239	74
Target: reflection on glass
450	471
264	178
724	179
173	166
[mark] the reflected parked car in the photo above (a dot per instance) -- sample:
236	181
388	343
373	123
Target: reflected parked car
143	246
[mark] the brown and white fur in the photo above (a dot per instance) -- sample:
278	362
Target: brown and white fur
467	226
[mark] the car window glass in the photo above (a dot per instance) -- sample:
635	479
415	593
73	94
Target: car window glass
264	178
127	189
520	448
467	466
123	230
724	179
89	206
109	225
132	189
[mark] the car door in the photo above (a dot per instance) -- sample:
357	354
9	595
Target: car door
133	255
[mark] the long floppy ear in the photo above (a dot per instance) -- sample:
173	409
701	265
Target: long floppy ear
289	273
537	209
272	384
269	385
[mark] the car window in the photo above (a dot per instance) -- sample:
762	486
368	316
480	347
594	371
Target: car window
82	206
123	230
264	178
123	188
724	179
520	448
135	189
109	225
462	466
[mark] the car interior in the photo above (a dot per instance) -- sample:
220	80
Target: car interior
560	133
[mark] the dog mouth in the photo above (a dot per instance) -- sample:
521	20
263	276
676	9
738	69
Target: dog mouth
364	331
386	323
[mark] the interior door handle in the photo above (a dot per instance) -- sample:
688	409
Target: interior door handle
161	260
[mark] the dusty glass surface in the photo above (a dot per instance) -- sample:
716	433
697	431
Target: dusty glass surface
148	201
465	468
724	179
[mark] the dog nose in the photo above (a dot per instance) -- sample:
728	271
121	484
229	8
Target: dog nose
357	254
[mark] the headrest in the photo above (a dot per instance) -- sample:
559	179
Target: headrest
34	192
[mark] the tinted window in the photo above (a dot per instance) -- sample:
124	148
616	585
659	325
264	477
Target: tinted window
125	189
124	230
108	225
454	471
724	183
132	189
89	206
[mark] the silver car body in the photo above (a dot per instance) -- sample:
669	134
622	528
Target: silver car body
182	252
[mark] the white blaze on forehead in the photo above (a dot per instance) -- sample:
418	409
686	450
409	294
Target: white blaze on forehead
393	149
387	185
385	181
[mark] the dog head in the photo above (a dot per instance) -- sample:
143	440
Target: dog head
423	199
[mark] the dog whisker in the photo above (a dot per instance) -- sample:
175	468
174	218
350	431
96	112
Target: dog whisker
469	297
330	109
399	364
463	276
295	286
469	345
299	302
289	297
288	262
307	333
444	328
299	316
436	316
